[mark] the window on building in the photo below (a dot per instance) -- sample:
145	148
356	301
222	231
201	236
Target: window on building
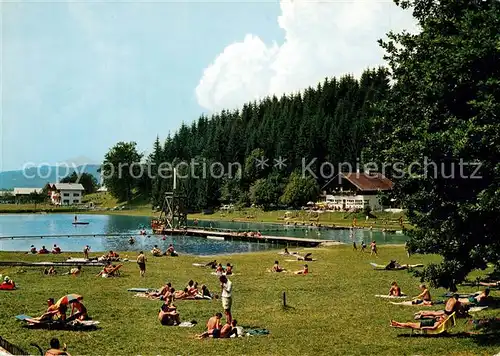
66	194
65	201
76	194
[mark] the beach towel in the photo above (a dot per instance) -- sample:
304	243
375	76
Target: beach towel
465	295
145	295
223	274
391	296
409	303
257	332
187	324
200	265
476	309
142	290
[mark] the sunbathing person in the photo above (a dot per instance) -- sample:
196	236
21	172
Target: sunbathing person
56	249
229	329
213	327
205	292
219	270
75	271
50	271
452	305
424	297
33	249
109	271
112	256
193	290
156	251
162	292
212	264
183	294
476	299
78	311
43	251
168	314
395	290
277	267
305	270
7	283
393	265
490	284
428	324
171	251
307	257
54	311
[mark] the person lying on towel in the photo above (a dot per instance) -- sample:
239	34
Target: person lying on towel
477	300
162	292
452	305
305	270
429	324
183	294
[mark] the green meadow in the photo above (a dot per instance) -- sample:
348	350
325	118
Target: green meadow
330	311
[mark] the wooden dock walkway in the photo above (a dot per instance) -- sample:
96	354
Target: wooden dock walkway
231	236
51	264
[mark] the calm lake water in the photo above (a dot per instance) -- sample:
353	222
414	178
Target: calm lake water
36	225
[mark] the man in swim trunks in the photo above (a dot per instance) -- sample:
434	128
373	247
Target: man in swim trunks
141	261
305	270
478	299
428	324
226	296
424	297
229	329
452	305
213	327
78	311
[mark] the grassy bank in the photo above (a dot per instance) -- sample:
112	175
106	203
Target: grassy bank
332	311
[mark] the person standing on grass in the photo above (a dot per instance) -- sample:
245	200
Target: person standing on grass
141	261
373	246
226	296
86	250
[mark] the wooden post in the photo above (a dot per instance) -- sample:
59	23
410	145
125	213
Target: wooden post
284	299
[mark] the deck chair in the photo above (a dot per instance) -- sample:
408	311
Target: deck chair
114	272
444	327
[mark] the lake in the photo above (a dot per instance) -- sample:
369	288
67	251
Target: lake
20	225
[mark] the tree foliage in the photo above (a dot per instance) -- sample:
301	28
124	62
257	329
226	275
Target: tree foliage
299	190
329	123
122	170
444	108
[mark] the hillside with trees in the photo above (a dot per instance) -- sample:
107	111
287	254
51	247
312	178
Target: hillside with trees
329	123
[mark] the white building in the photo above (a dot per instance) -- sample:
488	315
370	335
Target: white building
65	193
353	191
20	192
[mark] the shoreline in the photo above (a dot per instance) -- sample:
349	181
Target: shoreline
146	212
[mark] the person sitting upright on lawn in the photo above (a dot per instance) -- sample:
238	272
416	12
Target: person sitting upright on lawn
395	290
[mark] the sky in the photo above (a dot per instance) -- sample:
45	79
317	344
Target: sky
77	77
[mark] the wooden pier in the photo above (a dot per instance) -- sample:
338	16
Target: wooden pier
51	264
234	236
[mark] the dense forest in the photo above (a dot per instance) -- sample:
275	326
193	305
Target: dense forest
329	123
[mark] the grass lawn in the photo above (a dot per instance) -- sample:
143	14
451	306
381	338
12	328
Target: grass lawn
332	311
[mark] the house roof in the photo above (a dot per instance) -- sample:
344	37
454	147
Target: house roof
66	186
26	191
366	182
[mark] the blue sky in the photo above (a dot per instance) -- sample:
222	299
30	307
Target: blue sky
77	77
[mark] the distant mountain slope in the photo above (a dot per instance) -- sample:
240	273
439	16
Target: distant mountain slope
37	177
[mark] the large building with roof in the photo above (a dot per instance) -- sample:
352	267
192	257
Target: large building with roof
65	193
354	191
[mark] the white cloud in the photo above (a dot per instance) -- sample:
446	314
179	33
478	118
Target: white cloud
322	39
